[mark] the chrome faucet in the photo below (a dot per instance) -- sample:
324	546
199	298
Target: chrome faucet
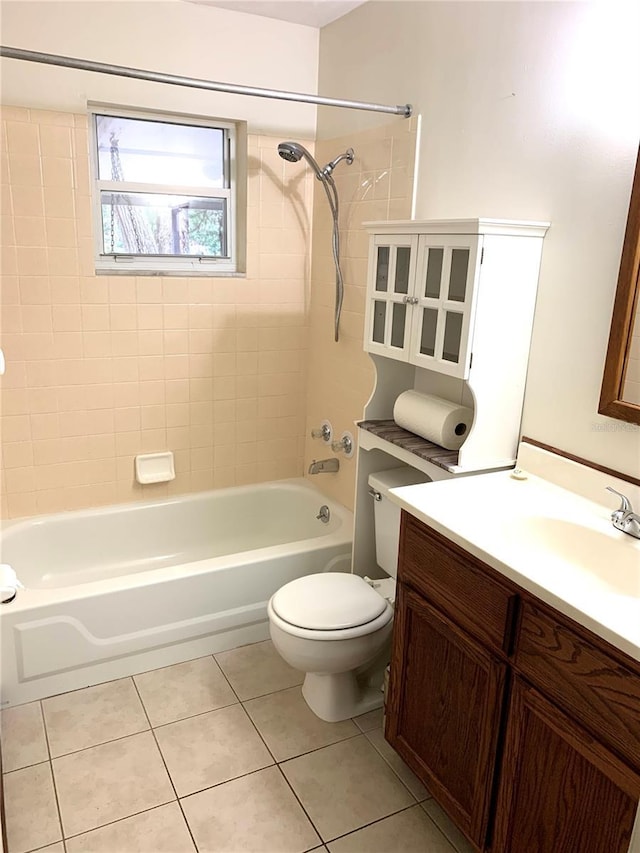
324	466
625	518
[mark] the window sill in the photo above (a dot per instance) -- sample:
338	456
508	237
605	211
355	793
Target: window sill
210	273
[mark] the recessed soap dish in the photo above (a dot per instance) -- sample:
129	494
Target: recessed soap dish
155	468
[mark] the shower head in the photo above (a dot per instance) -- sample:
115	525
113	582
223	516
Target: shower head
293	152
290	151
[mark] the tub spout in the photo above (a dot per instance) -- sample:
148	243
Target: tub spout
324	466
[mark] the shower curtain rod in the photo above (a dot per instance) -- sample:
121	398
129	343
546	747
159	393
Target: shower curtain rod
403	110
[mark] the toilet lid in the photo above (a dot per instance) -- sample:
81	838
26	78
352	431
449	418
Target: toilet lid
328	602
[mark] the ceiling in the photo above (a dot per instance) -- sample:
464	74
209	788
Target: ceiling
312	13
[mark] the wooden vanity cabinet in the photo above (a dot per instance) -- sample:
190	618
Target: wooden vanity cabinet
523	725
449	672
445	710
561	791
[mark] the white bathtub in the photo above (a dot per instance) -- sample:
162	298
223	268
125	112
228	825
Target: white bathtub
119	590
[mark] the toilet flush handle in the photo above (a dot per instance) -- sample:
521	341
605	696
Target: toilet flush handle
375	494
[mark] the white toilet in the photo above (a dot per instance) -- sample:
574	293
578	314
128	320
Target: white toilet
337	627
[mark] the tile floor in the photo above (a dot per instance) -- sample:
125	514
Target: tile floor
216	755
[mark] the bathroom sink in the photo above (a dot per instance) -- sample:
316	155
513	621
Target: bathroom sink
552	535
606	555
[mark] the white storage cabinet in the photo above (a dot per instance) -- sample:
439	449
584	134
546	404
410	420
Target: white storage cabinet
426	280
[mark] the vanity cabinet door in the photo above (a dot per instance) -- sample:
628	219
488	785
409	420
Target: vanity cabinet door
392	265
560	790
444	710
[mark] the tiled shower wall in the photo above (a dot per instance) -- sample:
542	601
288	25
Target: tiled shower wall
377	186
101	368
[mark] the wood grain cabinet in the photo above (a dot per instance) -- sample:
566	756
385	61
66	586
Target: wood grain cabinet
522	724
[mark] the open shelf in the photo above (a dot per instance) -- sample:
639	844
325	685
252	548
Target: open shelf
407	446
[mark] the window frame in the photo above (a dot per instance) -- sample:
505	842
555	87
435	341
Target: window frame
179	265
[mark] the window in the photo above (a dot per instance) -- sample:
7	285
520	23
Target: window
165	196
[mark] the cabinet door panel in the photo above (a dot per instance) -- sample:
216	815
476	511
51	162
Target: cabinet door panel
446	285
428	331
382	269
445	707
458	274
398	324
560	791
452	341
433	274
403	266
392	264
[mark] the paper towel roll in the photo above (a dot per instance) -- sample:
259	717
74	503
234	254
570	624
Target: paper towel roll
438	420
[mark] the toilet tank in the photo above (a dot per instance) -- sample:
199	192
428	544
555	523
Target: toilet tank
387	514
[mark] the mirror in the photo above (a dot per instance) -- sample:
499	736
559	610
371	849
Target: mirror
620	395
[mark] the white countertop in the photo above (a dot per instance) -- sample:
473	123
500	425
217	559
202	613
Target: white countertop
553	542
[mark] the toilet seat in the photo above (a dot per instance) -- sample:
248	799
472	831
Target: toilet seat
329	606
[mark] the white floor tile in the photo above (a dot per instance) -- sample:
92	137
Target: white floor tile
211	748
92	716
256	813
30	808
345	786
23	739
160	830
108	782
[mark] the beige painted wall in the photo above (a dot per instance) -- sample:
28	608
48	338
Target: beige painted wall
530	110
340	380
170	36
101	368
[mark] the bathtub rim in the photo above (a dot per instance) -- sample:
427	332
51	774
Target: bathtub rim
34	597
185	497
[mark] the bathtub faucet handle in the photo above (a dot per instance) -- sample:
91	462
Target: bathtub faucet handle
344	445
324	515
324	431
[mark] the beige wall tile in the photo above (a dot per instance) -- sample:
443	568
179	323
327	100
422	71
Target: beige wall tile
57	171
25	170
26	200
380	174
59	202
55	141
61	232
23	138
141	363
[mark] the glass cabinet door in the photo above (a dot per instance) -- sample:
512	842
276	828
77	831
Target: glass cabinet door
447	267
392	263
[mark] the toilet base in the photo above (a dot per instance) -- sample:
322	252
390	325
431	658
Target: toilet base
339	696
